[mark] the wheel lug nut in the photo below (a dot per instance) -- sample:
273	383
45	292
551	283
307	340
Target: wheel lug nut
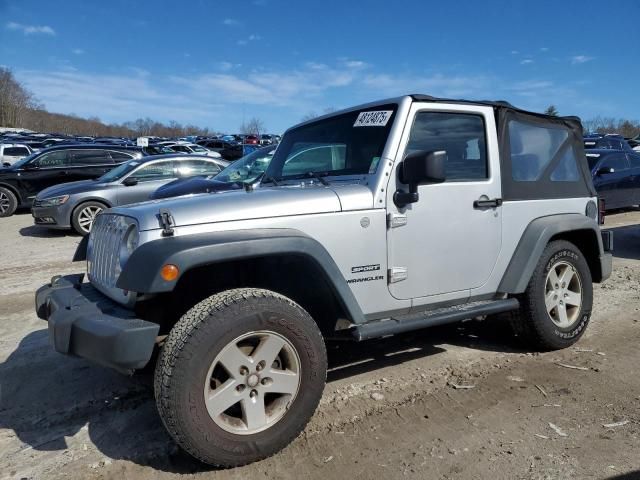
244	370
253	394
240	388
260	366
266	381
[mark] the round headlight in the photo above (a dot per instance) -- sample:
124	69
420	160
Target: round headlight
129	244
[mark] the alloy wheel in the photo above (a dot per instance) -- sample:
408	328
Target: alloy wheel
87	216
5	203
252	382
563	294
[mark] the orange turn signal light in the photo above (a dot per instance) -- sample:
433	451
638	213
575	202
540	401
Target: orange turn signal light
169	272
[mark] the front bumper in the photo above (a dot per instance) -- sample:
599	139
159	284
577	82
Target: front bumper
53	217
85	323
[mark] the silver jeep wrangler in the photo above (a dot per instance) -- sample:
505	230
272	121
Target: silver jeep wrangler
383	218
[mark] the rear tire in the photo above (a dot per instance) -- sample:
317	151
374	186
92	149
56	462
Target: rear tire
555	309
83	216
8	202
221	395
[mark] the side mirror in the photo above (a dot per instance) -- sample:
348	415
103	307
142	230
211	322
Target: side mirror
419	168
605	171
129	182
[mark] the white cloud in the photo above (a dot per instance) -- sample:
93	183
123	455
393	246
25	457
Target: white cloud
31	29
580	59
544	49
230	22
77	51
514	52
526	61
251	38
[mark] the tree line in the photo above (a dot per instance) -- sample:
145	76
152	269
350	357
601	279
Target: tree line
20	109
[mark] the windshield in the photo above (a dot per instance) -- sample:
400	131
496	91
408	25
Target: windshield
347	144
248	168
119	172
197	148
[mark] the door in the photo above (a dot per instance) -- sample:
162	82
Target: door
44	171
443	243
148	178
613	187
634	179
87	164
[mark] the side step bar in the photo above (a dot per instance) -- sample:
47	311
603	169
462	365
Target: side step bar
430	318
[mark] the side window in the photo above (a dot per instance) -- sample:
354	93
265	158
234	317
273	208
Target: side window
154	171
120	156
58	158
83	158
634	160
567	168
314	158
532	149
618	162
188	168
461	135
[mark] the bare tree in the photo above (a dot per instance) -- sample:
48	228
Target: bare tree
254	126
551	110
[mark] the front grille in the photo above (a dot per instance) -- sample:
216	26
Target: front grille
103	254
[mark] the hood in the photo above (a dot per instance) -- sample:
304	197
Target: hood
242	205
186	186
71	188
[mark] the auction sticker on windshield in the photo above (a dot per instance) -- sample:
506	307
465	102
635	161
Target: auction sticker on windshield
373	119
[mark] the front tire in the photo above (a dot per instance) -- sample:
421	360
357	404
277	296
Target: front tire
8	202
555	309
84	215
239	376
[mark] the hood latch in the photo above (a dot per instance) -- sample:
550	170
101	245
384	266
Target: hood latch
167	222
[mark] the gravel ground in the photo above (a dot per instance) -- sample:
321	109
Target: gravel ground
390	409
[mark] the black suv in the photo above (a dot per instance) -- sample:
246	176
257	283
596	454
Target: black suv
21	182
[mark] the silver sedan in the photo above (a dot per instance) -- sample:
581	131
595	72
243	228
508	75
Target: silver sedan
76	204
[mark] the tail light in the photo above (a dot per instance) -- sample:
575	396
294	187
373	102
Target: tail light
601	211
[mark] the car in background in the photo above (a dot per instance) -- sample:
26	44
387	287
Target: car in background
616	176
228	150
251	140
20	183
192	148
75	205
606	142
10	153
248	170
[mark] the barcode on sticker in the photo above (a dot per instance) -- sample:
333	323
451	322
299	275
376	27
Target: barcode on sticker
373	119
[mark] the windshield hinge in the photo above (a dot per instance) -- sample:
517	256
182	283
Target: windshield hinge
167	222
395	220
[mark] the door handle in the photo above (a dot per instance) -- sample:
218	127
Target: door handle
486	203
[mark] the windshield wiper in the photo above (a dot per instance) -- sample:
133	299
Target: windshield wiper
269	179
317	176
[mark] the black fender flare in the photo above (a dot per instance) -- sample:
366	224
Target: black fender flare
141	273
533	242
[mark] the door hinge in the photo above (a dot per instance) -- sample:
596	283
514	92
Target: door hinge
397	274
395	220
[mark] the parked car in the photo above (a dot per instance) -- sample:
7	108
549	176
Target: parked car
20	182
616	176
75	205
193	148
10	153
607	142
248	169
266	139
228	150
251	140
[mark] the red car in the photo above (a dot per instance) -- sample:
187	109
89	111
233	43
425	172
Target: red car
251	140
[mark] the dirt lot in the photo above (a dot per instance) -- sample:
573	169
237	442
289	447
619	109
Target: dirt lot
390	409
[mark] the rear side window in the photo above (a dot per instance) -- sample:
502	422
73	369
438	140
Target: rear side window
461	135
16	152
120	156
83	158
532	148
58	158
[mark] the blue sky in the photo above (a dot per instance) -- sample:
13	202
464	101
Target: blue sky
212	63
